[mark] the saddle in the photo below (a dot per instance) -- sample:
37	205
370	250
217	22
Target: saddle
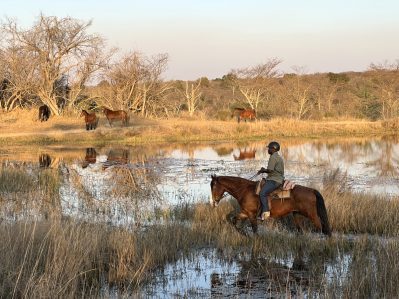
282	192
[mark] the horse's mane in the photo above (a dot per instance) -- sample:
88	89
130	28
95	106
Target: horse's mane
235	178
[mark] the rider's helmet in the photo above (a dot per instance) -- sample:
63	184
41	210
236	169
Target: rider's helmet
274	145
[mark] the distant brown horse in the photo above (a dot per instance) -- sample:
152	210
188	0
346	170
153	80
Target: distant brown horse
91	120
244	114
245	154
44	113
116	115
303	201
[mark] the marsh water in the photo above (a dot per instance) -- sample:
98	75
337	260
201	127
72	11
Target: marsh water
97	183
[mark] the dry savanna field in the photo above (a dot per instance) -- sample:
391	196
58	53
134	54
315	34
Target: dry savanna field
23	127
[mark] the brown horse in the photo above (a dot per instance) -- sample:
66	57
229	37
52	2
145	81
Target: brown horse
302	201
91	120
44	113
244	114
116	115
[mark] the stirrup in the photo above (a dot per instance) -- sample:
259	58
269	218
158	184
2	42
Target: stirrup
264	216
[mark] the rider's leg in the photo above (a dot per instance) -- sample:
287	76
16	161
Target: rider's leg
269	187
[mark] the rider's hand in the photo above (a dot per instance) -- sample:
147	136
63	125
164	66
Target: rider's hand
262	170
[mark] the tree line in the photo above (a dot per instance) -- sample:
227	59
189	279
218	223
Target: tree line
59	63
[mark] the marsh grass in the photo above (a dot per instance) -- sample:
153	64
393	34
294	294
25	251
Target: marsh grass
66	257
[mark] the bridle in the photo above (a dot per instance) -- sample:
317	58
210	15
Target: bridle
214	202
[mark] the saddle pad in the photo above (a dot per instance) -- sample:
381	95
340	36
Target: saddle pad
281	192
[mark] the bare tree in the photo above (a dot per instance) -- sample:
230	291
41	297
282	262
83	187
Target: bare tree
134	83
253	82
386	82
191	95
299	92
58	47
16	76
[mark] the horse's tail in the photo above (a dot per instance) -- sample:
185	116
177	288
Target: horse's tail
322	213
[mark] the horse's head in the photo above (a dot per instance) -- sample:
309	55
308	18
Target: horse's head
217	191
83	113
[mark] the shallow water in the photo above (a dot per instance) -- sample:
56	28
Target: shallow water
163	176
136	185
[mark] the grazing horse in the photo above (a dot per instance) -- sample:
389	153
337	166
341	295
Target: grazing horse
116	115
303	201
244	114
44	113
250	154
91	120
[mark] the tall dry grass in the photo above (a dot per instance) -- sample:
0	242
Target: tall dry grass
65	257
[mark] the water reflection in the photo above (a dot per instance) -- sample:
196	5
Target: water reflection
90	158
115	188
217	274
115	157
245	154
113	183
44	161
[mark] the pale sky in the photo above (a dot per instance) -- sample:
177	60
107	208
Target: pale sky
209	38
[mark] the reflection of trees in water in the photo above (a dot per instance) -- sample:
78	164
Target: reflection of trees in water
116	156
299	272
28	191
259	277
387	161
115	191
380	156
223	150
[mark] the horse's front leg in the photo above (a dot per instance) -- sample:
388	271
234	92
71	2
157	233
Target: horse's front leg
254	224
239	222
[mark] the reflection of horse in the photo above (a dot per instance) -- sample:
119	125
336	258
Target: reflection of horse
90	158
245	154
44	161
44	113
91	120
117	157
116	115
302	201
244	114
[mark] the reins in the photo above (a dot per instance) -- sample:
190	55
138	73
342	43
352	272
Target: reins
238	190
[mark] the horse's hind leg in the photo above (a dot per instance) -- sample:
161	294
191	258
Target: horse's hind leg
315	220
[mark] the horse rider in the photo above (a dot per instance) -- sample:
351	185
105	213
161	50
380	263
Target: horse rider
275	177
